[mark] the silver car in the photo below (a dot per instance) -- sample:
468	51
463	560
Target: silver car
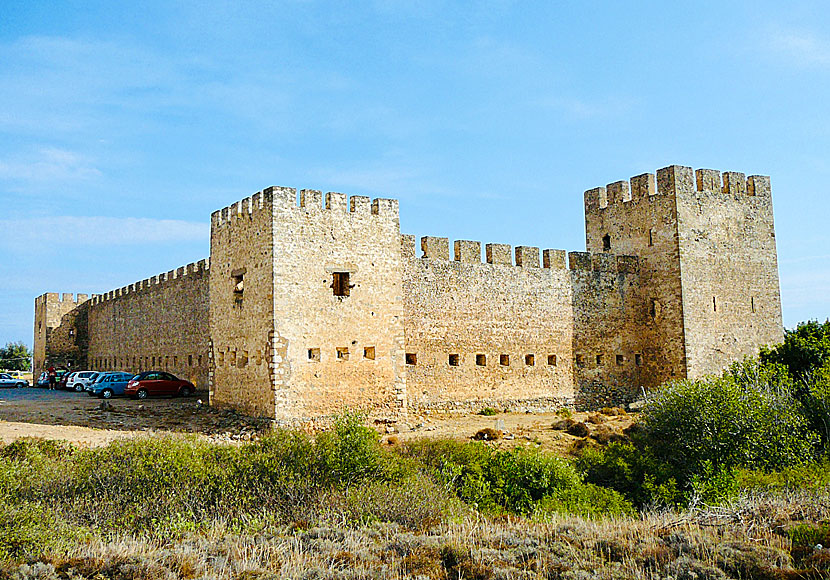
6	380
79	380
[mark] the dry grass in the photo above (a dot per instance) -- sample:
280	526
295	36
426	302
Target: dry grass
746	539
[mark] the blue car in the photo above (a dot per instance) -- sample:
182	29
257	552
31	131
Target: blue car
108	385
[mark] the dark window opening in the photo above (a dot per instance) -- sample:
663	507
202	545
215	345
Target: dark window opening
552	360
199	360
504	360
599	359
653	308
314	354
752	303
651	237
411	358
369	353
243	359
237	277
190	360
638	359
606	243
343	353
714	303
530	360
580	360
620	360
232	361
481	360
453	360
71	332
340	283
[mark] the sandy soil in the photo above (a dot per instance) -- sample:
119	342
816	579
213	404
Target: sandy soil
83	420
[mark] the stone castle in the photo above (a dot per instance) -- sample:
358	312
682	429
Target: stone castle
306	308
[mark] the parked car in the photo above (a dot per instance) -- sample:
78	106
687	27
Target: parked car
157	383
78	380
42	381
6	380
108	385
60	379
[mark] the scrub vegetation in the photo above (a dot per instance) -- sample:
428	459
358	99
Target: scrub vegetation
723	477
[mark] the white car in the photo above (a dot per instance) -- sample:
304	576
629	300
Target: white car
79	380
6	380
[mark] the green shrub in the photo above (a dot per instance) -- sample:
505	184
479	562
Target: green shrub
586	500
488	412
747	417
805	348
351	452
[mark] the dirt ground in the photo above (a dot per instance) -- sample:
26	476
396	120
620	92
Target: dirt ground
87	421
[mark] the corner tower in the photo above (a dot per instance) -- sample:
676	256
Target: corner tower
706	242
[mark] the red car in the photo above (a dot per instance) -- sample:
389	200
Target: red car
157	383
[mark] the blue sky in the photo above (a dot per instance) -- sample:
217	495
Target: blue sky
123	127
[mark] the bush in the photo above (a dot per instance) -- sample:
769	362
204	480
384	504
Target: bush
747	417
805	348
488	412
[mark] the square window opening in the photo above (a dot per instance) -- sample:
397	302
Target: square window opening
580	360
530	360
599	359
411	358
638	360
552	360
453	360
504	360
481	360
620	360
342	353
369	353
314	354
340	284
243	359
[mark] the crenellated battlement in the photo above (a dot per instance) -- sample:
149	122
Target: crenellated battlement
469	252
67	298
309	200
673	180
603	262
199	268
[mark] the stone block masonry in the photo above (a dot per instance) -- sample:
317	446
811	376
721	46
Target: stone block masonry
311	303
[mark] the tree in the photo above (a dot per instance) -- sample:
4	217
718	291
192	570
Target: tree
15	356
804	349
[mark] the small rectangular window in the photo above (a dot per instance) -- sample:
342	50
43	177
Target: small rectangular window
481	360
599	359
580	360
243	359
714	303
530	360
453	360
314	354
411	358
606	242
504	360
369	353
752	303
620	360
343	353
199	360
233	359
552	360
638	360
340	283
237	279
190	360
175	361
652	310
650	237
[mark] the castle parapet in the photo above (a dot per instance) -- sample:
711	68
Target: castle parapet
603	262
66	298
673	180
193	269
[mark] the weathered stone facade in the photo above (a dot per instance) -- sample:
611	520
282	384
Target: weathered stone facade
310	307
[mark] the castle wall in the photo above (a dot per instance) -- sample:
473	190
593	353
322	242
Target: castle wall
486	333
244	352
640	218
729	268
159	323
608	332
336	351
60	337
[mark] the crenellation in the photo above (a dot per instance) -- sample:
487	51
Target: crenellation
385	207
596	199
360	205
527	256
643	185
708	180
758	185
467	251
675	179
283	197
311	199
734	182
617	192
579	261
435	248
555	259
337	202
408	246
498	254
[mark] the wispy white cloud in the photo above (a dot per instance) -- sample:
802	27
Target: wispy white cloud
48	164
801	48
60	231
